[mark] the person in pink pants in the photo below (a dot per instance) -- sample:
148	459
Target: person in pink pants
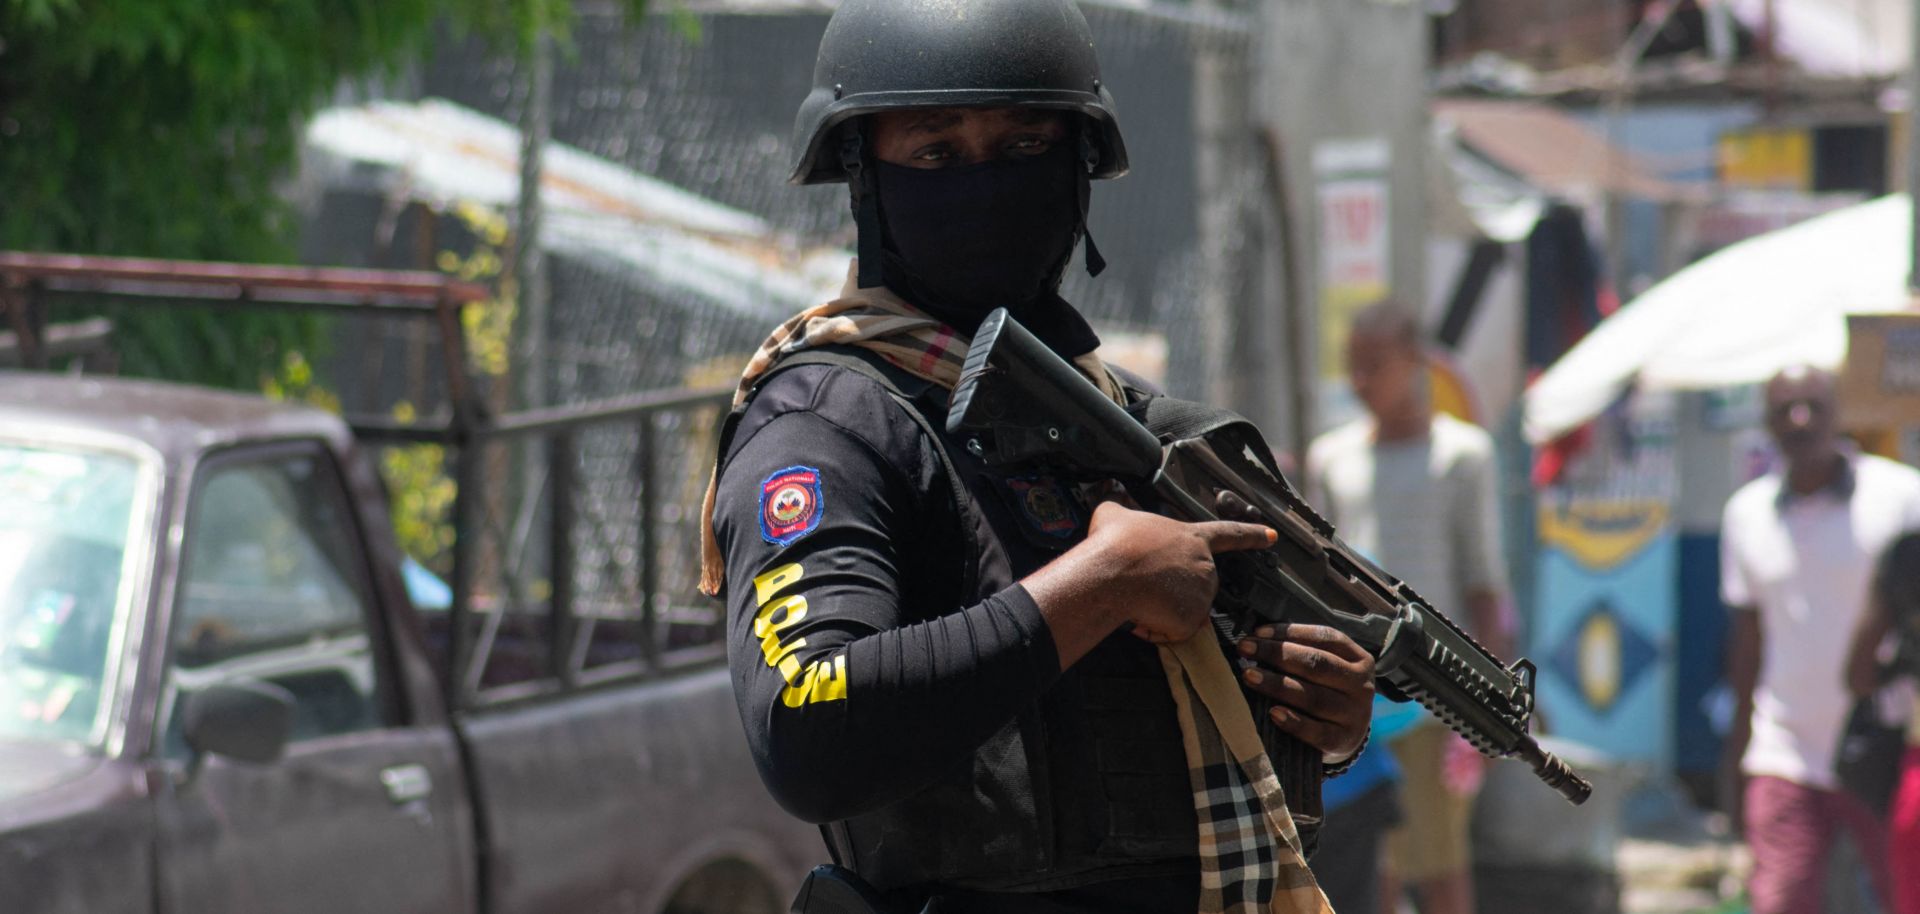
1895	610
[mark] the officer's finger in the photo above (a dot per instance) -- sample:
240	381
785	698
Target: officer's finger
1327	669
1315	701
1314	732
1231	505
1231	536
1327	638
1310	663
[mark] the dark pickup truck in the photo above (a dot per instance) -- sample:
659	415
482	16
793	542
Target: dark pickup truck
216	693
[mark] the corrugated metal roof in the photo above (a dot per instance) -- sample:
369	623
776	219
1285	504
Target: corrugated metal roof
443	154
1551	149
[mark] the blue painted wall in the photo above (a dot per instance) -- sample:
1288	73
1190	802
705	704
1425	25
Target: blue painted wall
1605	642
1698	649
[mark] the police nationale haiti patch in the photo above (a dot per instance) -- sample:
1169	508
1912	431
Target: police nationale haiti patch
790	505
1046	505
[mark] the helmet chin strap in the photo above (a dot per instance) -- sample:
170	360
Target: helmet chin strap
1090	156
865	202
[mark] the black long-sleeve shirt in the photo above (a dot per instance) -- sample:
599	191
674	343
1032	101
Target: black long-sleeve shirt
861	680
858	679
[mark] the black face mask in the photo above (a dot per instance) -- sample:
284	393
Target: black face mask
961	242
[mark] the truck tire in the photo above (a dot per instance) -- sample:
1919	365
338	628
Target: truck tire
725	887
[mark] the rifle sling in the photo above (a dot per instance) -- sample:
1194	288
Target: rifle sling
1298	766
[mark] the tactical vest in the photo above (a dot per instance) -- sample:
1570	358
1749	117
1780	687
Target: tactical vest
1089	782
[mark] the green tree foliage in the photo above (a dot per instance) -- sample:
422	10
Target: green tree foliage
161	128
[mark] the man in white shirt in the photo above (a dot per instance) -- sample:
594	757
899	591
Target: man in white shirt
1797	552
1416	492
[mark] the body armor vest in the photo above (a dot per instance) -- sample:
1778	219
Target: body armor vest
1089	782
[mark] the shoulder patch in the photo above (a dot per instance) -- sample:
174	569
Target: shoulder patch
790	505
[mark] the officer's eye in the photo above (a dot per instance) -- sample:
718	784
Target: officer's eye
1031	144
934	154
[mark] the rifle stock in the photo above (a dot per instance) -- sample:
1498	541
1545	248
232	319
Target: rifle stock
1019	404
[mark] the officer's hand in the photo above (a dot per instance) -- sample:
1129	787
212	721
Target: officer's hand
1135	568
1321	679
1321	683
1160	571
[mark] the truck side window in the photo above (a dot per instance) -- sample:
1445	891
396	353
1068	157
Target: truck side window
272	588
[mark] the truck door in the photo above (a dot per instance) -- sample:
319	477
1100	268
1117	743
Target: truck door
365	811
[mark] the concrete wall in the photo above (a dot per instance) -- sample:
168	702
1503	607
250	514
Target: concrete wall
1335	70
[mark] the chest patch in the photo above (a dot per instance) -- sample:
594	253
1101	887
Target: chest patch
1045	504
790	505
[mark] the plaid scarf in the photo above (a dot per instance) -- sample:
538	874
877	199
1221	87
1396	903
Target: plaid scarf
874	319
1250	857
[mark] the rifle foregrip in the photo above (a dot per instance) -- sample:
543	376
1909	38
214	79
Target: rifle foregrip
1497	734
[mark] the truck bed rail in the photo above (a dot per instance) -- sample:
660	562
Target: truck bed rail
518	625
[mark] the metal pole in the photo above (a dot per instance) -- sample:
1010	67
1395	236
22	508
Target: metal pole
1619	106
530	318
650	555
1294	298
460	678
1771	49
561	625
1215	216
529	260
1913	147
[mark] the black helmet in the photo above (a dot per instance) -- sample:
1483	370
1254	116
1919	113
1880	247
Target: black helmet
885	54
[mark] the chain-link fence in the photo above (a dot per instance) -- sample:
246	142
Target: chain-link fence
650	291
713	113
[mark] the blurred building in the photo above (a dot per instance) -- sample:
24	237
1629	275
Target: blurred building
1707	122
1711	45
1781	109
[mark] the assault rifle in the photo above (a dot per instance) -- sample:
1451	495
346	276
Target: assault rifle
1020	405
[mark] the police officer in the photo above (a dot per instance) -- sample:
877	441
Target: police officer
955	669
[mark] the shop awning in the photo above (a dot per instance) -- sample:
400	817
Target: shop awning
1738	316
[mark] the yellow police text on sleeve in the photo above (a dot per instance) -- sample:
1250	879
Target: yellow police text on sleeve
779	611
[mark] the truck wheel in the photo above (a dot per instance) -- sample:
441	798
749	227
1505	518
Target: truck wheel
725	887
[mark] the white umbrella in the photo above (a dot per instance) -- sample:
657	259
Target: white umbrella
1737	316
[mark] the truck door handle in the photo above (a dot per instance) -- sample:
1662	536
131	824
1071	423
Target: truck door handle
407	783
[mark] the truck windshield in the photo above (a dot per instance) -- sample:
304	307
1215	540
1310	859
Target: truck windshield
65	517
